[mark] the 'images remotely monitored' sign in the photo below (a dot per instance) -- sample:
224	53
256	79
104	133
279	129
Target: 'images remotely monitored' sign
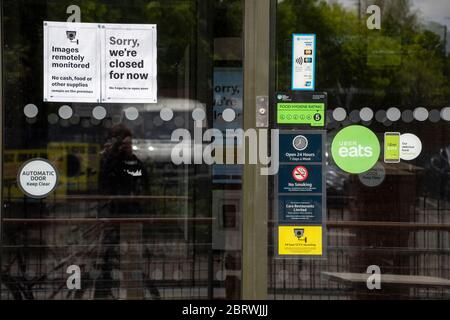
90	62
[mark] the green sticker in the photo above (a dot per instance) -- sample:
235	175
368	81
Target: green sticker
392	147
355	149
312	114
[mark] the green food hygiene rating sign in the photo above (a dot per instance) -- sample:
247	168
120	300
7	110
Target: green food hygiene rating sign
312	114
355	149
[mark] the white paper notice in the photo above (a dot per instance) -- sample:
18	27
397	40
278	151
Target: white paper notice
303	61
71	62
90	62
129	54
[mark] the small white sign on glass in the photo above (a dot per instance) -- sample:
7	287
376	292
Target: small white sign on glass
37	178
303	62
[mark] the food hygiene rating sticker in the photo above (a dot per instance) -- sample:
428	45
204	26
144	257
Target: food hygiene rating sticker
37	178
300	240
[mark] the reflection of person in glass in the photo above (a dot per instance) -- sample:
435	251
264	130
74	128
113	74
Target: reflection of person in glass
121	172
122	176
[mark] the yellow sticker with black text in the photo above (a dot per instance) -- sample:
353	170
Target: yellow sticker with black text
300	240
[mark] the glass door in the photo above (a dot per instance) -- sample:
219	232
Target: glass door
125	221
385	67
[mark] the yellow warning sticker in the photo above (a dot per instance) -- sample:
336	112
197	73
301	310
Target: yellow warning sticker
300	240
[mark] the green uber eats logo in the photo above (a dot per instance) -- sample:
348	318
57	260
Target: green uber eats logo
355	149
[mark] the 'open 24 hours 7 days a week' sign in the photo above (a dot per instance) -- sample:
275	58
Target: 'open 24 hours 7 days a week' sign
91	62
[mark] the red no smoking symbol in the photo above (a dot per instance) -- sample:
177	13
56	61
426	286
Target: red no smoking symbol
300	173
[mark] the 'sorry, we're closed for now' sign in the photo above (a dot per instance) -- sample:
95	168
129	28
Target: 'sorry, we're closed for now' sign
90	62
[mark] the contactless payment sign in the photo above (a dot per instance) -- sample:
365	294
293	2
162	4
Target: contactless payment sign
303	61
355	149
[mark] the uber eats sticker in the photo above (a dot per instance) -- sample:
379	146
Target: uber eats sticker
355	149
37	178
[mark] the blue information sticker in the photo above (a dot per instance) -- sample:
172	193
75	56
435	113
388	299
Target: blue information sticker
301	147
300	209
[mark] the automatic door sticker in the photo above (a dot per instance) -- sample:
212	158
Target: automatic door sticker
300	240
410	146
37	178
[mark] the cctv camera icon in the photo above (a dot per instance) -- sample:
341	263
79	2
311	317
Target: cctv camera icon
299	233
71	35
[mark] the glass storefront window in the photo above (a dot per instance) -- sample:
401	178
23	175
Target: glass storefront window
135	224
392	79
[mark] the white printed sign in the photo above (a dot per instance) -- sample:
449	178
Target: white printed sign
303	61
410	146
37	178
129	55
71	62
90	62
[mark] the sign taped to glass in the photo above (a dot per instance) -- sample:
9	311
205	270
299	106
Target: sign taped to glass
90	62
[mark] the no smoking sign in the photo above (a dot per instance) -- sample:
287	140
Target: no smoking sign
300	173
